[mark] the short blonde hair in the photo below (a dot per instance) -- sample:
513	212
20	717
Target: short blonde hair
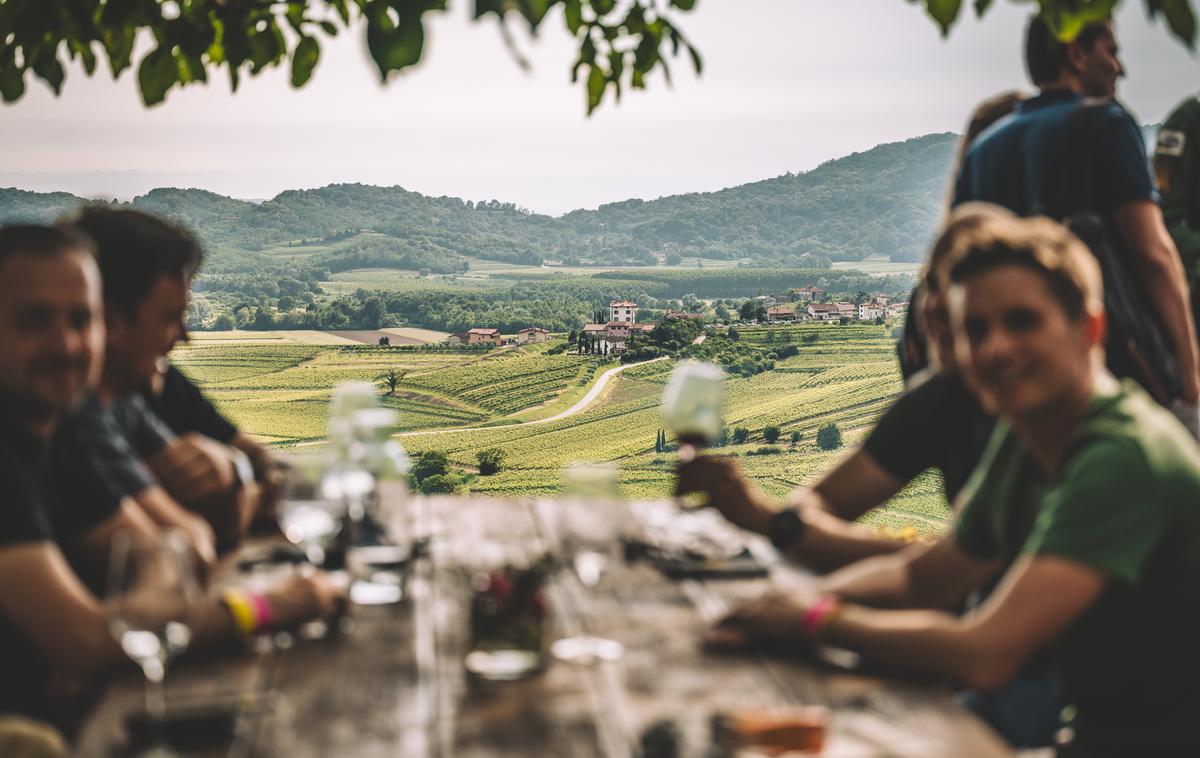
967	224
1041	245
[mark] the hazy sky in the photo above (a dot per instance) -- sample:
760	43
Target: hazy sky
787	84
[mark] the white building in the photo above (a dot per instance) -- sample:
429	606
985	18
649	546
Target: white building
871	311
824	312
622	310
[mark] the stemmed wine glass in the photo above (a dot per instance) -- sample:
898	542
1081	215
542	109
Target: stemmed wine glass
153	602
587	523
310	509
692	405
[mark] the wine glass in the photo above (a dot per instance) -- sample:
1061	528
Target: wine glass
370	479
588	522
692	405
153	602
347	399
310	508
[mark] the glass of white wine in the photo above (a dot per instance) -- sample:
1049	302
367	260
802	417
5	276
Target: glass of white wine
693	405
153	602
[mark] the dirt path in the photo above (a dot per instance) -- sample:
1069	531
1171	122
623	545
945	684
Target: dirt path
579	407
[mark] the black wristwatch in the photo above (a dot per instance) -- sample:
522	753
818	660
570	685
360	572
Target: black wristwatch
785	529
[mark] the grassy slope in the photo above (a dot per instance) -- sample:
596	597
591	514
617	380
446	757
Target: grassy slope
279	390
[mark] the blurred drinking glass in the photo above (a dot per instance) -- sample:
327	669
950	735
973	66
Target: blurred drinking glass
693	404
347	399
311	507
588	523
153	602
375	487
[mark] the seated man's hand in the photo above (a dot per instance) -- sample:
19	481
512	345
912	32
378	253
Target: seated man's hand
195	468
775	619
727	490
202	541
304	598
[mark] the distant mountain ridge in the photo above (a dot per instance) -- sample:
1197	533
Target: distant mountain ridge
883	201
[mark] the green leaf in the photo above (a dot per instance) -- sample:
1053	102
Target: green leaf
574	14
1068	19
48	68
304	60
12	81
595	88
982	6
118	44
394	48
1181	19
86	56
944	12
157	73
266	47
697	63
683	5
329	28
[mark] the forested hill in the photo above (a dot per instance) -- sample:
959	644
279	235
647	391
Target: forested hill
883	201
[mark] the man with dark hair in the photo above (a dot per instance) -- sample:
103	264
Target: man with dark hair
52	333
1084	513
1027	163
147	266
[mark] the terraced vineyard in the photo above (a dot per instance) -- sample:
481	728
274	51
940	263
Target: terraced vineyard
507	382
279	391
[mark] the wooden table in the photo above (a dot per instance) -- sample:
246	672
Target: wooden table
393	684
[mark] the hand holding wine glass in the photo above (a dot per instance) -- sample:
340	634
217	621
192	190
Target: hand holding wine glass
692	405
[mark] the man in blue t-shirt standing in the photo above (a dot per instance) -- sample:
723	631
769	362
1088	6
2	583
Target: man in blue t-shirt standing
1024	164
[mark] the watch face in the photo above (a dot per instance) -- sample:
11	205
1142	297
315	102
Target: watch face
785	528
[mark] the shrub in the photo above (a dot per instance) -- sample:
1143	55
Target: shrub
765	450
740	435
771	434
490	460
436	483
829	437
795	438
430	464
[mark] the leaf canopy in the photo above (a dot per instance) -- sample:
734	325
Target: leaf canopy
619	44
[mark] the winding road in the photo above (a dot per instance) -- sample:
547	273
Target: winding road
579	407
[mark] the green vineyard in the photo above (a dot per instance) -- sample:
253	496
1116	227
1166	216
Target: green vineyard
460	402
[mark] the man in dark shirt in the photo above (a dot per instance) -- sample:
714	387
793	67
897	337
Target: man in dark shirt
1022	164
185	409
188	481
936	423
52	332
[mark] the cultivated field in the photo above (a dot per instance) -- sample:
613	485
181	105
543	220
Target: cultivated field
278	388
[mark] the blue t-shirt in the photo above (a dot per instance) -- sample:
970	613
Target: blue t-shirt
1022	161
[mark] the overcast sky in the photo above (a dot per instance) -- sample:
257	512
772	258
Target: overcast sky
787	84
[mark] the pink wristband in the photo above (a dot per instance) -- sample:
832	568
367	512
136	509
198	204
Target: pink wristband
817	616
262	610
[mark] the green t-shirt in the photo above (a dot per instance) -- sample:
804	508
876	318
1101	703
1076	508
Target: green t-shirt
1126	501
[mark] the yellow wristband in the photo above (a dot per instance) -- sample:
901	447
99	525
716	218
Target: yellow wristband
242	611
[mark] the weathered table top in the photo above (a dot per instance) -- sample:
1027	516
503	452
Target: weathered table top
393	682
